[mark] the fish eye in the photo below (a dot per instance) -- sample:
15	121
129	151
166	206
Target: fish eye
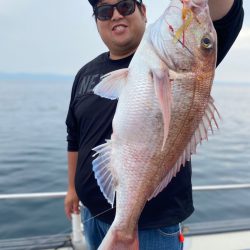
206	42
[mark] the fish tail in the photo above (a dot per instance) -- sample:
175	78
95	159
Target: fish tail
119	240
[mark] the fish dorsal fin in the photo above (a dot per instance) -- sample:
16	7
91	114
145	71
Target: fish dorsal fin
111	84
103	171
201	133
163	93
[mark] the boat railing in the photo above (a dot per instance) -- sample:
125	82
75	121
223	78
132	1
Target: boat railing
76	235
53	195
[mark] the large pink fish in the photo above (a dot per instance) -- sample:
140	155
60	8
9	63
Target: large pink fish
164	111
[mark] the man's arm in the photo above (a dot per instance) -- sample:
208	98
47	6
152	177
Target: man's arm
219	8
71	202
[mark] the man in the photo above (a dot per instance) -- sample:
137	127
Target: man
121	25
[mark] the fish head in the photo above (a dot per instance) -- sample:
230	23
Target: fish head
184	36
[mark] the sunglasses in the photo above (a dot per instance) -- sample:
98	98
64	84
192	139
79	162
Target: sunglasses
125	7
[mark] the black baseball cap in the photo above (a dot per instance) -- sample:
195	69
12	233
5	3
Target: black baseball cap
94	2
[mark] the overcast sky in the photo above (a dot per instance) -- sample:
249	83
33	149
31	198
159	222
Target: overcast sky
59	36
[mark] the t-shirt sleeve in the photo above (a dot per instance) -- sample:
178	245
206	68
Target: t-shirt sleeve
71	123
228	29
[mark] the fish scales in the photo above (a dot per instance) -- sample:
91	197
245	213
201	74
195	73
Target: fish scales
164	111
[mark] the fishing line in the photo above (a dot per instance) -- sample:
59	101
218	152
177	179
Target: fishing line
105	211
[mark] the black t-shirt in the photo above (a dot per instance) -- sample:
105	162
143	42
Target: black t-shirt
89	123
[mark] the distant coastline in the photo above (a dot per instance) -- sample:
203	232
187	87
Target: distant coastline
70	78
33	76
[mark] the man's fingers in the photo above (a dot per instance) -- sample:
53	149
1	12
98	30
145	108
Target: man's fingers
71	208
71	204
68	211
68	208
76	207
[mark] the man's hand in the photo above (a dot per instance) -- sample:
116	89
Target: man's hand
219	8
71	203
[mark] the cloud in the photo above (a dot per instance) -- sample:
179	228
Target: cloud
45	36
60	36
235	67
11	6
243	41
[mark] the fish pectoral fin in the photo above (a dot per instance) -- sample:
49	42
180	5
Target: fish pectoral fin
103	171
163	91
111	84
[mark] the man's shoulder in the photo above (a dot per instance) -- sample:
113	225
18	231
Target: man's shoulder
89	75
94	64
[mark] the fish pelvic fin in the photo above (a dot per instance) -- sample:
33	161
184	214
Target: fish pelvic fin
111	84
103	171
208	123
163	91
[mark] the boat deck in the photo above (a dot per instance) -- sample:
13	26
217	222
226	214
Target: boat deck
221	241
62	242
196	238
218	235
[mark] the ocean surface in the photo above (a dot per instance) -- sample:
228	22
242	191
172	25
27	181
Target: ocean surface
33	156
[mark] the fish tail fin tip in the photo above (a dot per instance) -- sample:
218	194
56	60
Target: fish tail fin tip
117	239
111	84
103	173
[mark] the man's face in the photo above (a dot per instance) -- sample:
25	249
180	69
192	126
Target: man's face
122	34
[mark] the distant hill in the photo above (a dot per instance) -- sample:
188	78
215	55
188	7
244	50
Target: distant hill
28	76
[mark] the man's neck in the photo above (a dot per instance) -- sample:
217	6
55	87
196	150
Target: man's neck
117	56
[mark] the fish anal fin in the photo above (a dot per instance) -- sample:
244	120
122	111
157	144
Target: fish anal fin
164	182
103	171
163	91
111	84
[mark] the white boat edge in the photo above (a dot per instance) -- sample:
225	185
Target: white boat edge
221	241
198	236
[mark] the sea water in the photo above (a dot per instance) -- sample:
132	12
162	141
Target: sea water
33	156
